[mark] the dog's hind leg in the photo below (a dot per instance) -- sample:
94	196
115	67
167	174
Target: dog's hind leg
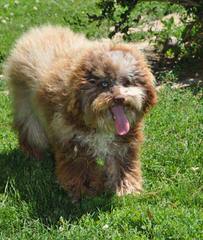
32	137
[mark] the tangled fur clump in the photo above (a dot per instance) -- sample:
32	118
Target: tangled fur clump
84	99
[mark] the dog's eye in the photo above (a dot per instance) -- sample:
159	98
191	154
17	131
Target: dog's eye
92	81
126	82
104	84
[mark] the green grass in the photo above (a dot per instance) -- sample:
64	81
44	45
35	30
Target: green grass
32	205
17	16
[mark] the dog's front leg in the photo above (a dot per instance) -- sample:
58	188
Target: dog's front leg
123	173
77	172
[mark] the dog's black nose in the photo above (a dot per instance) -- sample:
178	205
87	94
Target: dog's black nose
119	99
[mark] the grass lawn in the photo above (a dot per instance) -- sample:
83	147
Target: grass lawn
32	206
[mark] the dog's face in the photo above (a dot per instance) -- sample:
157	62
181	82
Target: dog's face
115	89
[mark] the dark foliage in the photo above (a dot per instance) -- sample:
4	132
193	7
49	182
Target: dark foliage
108	8
190	44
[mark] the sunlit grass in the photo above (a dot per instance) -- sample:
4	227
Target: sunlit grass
33	205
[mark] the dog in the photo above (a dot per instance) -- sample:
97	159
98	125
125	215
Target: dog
85	100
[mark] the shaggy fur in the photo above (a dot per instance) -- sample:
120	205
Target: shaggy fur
84	99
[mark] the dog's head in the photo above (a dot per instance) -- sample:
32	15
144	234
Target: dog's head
115	88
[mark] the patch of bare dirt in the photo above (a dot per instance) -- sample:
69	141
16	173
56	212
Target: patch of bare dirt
191	76
157	25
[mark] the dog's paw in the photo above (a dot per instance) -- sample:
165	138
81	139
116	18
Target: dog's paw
88	187
124	187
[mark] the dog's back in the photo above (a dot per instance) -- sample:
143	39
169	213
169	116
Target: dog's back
30	60
36	51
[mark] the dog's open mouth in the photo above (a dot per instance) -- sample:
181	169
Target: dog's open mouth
121	122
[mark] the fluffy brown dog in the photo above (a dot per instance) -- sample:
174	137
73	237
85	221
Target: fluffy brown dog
84	99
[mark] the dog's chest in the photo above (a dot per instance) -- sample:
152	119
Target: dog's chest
97	144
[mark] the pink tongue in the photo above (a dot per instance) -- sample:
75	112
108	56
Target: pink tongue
121	122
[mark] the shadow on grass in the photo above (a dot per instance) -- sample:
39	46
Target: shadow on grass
187	74
35	182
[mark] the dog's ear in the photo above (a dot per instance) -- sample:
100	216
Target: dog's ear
135	64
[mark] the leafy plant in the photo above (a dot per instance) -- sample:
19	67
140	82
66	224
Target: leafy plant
189	37
117	13
174	42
